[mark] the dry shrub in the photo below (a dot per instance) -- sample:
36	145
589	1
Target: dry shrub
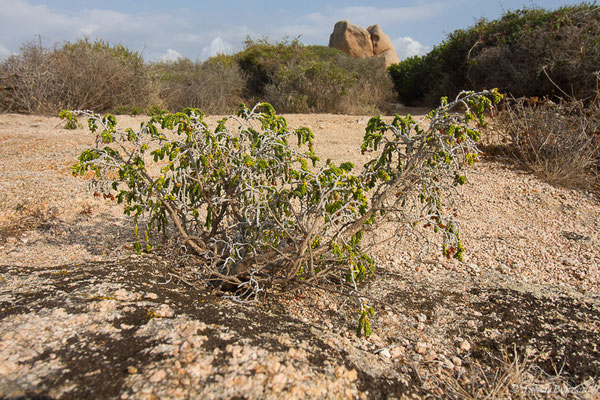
512	376
28	83
215	86
100	77
342	85
25	217
373	91
81	75
559	142
111	78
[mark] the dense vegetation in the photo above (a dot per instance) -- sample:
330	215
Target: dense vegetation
111	78
548	62
528	52
83	74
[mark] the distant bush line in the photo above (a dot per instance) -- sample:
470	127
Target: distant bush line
529	52
98	76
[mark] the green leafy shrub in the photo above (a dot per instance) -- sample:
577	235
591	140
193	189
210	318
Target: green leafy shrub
260	213
71	122
528	52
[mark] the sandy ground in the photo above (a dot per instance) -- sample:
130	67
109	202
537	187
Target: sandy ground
78	308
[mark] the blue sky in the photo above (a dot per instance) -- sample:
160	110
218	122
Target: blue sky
200	29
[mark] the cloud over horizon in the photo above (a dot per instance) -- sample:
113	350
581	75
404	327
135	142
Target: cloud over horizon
4	52
199	31
156	33
407	47
170	56
216	47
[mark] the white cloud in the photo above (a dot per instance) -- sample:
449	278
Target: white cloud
171	56
202	35
89	29
369	15
217	46
4	52
408	47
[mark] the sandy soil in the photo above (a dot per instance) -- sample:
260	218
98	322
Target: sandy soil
82	316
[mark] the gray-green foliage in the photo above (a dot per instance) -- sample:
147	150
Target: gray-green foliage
259	212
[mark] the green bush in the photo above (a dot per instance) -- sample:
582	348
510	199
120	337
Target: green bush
259	214
528	52
298	78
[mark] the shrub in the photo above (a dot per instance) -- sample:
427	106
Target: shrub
71	121
297	78
558	141
527	52
259	213
99	76
216	85
28	81
111	78
82	74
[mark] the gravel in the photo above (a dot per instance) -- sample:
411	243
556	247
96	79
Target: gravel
82	316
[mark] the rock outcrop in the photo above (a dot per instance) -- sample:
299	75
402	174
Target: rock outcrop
359	42
383	46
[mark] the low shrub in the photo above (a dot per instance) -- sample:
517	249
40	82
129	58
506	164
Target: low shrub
100	76
259	214
558	141
216	85
28	81
111	78
81	74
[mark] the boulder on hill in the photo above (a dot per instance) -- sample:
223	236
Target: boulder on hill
362	43
352	40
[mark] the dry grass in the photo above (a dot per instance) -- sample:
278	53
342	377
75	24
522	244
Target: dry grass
214	86
23	219
558	142
514	377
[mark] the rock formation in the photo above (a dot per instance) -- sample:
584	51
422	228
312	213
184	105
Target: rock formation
383	46
362	43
